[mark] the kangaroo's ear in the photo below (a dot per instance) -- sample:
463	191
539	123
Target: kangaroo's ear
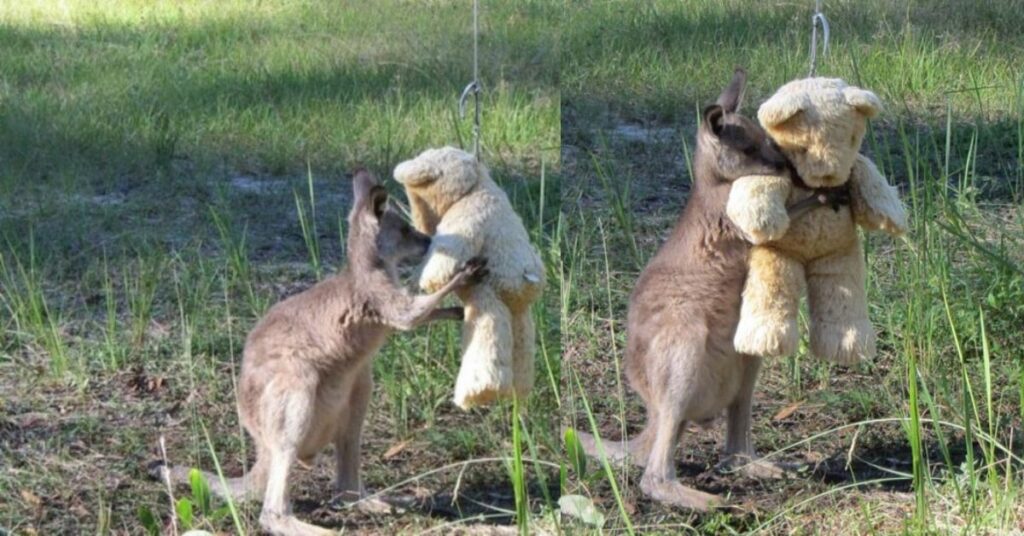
362	183
378	200
864	101
713	116
732	96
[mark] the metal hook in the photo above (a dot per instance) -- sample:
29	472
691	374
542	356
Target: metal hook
818	17
474	88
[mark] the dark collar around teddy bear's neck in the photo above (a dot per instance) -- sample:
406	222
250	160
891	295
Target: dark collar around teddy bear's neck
835	196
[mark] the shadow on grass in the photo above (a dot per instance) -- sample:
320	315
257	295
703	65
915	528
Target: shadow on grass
106	99
477	502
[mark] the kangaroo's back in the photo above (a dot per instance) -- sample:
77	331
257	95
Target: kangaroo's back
697	275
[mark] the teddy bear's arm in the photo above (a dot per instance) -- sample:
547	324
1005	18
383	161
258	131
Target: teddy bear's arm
757	205
875	203
455	242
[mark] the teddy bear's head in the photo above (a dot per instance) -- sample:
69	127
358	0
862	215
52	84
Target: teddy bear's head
819	123
435	180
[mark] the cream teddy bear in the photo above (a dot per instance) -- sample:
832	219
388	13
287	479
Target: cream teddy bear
819	124
453	198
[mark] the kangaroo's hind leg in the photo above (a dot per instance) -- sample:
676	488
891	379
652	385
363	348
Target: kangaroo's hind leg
659	481
287	410
348	485
674	392
739	454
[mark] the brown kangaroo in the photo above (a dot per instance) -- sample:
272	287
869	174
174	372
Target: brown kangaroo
684	310
306	376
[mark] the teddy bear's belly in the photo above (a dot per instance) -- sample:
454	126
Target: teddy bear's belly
818	233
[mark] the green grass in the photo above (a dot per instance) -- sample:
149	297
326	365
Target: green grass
168	170
925	439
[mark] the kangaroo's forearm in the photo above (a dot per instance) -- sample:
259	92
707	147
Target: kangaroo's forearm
420	308
802	207
445	313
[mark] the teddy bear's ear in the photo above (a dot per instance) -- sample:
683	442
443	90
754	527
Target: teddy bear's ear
782	109
415	172
863	100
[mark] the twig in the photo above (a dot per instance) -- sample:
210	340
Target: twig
165	471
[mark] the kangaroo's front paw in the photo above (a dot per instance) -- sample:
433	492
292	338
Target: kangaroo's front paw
766	336
843	343
473	272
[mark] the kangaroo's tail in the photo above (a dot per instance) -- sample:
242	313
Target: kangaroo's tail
243	488
634	451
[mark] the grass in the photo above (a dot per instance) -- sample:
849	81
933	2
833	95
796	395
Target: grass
170	169
926	438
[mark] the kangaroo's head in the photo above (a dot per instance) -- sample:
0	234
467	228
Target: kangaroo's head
730	145
378	234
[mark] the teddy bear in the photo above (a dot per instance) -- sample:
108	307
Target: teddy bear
453	198
819	124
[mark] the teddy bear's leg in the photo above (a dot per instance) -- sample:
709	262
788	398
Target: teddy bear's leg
486	370
771	298
523	351
837	300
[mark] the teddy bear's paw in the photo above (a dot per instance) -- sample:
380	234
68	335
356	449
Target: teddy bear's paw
761	231
765	336
479	385
478	397
843	344
897	226
772	230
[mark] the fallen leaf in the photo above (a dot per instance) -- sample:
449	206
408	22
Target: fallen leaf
31	498
421	492
788	410
395	449
581	508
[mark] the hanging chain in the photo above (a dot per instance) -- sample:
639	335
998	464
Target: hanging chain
818	17
474	87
